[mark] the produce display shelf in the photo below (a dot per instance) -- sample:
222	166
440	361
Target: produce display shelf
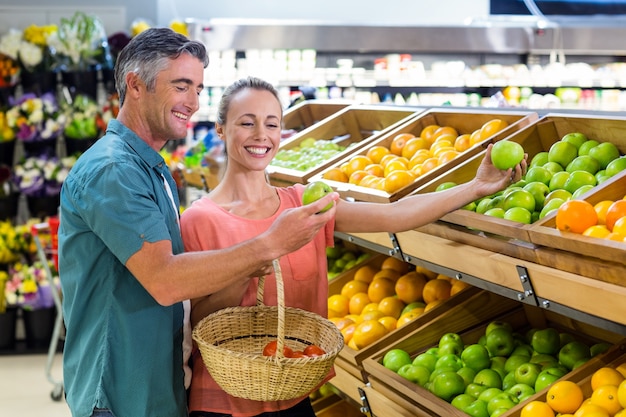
307	113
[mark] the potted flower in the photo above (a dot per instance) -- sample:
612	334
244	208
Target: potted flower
40	179
39	72
82	49
37	122
7	141
83	124
9	66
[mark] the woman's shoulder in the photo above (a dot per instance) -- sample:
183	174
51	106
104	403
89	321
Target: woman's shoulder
292	192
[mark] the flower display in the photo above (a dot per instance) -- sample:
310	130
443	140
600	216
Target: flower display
29	286
83	118
30	48
42	176
6	132
81	43
15	242
35	118
9	71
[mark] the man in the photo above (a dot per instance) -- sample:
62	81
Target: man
124	275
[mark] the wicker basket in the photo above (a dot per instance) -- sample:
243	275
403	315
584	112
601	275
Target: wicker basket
231	342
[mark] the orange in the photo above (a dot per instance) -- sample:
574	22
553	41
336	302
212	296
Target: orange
351	344
436	289
391	306
419	157
369	181
597	230
354	317
388	158
605	376
358	302
475	137
458	286
591	410
339	304
392	274
413	145
371	315
447	278
537	409
564	396
492	127
375	169
365	273
380	288
442	144
370	307
429	165
335	174
395	165
618	237
621	368
342	322
409	287
357	163
391	323
357	176
399	141
606	397
447	156
428	131
396	264
621	393
348	331
614	212
427	272
619	226
576	216
352	287
444	130
432	305
462	142
601	208
367	332
397	180
376	153
409	316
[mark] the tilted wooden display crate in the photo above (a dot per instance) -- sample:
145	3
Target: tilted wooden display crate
354	125
464	121
310	112
522	318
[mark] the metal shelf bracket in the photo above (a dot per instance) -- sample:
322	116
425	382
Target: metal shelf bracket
528	296
365	408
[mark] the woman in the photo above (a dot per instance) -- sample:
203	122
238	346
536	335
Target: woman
244	205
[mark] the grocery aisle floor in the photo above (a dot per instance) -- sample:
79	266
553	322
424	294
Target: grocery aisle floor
25	388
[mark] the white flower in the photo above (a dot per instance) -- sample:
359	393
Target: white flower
31	55
10	43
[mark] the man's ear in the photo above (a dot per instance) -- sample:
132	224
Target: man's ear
132	83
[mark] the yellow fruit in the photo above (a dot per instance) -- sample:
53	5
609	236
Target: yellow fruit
606	396
365	273
409	316
368	332
389	322
352	287
537	409
358	302
380	288
432	305
410	286
621	393
396	264
458	286
391	306
372	315
591	410
339	304
605	376
391	274
436	289
621	368
564	396
427	272
347	332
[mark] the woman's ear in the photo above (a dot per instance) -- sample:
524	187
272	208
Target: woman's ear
219	129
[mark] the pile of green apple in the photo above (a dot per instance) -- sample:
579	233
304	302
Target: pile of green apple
341	259
308	154
501	370
571	167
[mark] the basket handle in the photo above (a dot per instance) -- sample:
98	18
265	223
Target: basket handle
280	301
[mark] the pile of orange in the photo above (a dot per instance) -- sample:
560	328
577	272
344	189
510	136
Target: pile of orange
605	219
407	157
378	300
567	398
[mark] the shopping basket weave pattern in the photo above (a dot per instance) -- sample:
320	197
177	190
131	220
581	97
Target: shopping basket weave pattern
231	342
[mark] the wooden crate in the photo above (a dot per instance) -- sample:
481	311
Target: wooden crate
310	112
354	125
522	318
597	258
464	121
535	138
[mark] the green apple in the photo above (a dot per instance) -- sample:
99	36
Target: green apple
467	374
583	163
520	198
451	338
523	349
474	389
575	138
544	360
521	391
565	338
499	411
514	361
562	153
412	306
559	193
558	180
446	185
506	154
546	341
476	357
497	324
586	146
582	191
527	373
417	374
502	400
539	159
489	378
395	359
518	214
437	371
579	178
477	408
488	394
447	385
547	377
461	401
553	167
599	348
449	360
602	176
315	190
572	353
538	174
433	351
495	212
426	360
450	348
483	205
615	166
497	364
500	342
604	153
508	381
